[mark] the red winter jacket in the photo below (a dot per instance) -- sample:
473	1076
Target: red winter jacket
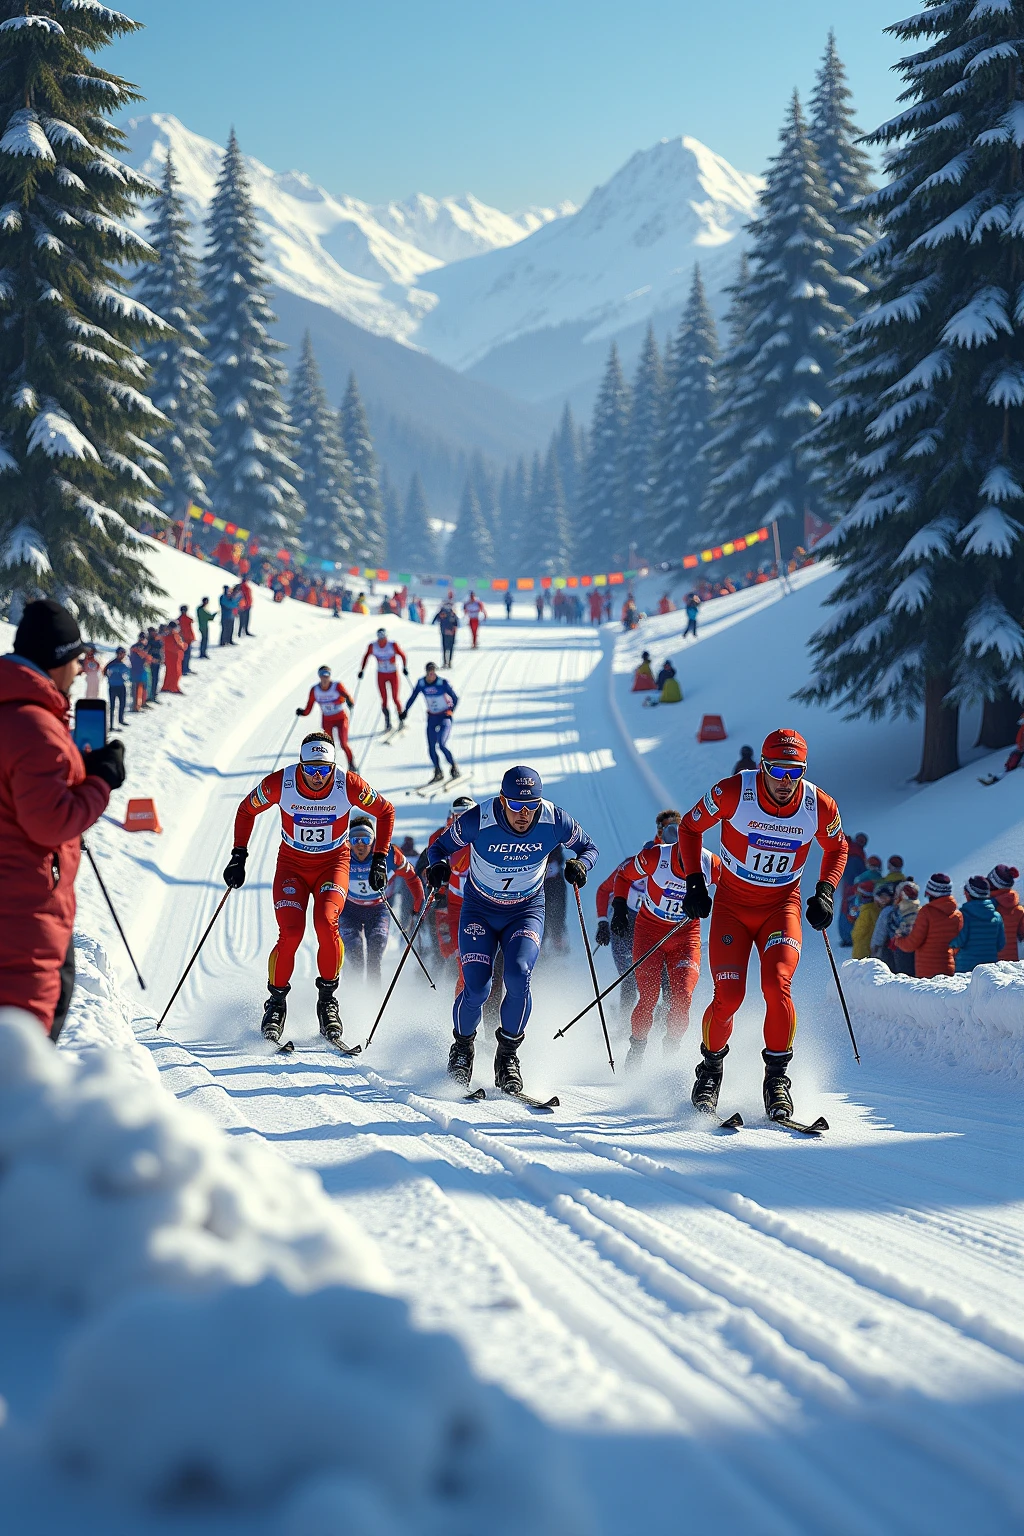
46	803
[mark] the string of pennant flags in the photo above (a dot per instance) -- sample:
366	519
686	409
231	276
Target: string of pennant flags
485	583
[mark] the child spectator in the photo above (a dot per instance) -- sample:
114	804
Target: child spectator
894	875
936	926
873	899
885	928
908	907
117	674
1009	908
982	935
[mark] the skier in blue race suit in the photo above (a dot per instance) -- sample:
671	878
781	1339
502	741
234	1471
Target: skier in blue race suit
440	698
365	919
510	839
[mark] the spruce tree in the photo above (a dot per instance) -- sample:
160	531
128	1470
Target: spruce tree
570	447
391	514
601	528
420	543
470	549
640	455
332	526
550	530
845	166
690	393
365	482
777	378
926	439
178	366
76	470
254	471
515	489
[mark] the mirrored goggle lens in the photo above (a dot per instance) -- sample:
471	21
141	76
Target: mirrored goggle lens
318	770
522	805
362	838
784	770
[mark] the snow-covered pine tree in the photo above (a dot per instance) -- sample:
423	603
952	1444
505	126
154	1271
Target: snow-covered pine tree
254	471
601	531
550	530
178	366
420	546
570	446
776	382
845	166
75	464
332	527
926	439
365	482
690	395
470	550
639	465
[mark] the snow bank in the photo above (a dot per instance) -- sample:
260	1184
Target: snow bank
975	1020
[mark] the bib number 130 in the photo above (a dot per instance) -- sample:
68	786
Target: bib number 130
771	863
312	836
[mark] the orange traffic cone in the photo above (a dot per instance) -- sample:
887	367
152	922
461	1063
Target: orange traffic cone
712	728
141	817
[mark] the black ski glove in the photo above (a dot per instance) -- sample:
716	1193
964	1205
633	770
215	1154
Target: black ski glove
438	874
603	936
819	908
378	872
620	917
107	763
697	901
300	711
359	674
405	671
234	875
575	872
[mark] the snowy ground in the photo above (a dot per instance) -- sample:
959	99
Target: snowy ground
797	1336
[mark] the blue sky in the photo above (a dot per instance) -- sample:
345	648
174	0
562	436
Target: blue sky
519	101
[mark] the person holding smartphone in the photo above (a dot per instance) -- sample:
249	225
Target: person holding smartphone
50	793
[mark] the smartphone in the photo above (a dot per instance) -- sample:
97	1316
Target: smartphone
90	724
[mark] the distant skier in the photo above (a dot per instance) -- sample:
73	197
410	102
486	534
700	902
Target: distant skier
313	861
365	919
332	697
475	611
441	700
769	820
508	606
509	838
447	621
386	653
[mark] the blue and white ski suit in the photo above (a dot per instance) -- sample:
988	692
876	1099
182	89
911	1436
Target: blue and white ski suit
440	698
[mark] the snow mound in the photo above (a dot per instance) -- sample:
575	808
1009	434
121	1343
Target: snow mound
974	1020
328	1402
99	1018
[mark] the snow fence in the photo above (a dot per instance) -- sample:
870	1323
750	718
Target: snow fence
229	1344
975	1020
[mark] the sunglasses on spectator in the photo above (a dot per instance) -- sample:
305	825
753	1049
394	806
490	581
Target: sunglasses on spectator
783	770
522	805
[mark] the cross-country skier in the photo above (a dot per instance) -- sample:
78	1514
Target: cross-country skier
313	861
332	697
769	819
475	611
509	838
365	919
447	621
441	700
448	901
386	653
666	828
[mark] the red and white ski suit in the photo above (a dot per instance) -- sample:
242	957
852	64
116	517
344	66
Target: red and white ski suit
474	610
764	850
387	654
313	858
663	877
331	701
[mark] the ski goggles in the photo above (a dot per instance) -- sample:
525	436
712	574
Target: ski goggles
522	805
791	771
318	770
362	838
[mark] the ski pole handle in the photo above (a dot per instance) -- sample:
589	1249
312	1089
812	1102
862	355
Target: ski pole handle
842	999
398	924
117	923
195	957
593	976
394	980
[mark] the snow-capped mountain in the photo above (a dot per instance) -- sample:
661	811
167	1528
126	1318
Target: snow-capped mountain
452	228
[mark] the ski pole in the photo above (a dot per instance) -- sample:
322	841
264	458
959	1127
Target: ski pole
593	976
839	989
394	980
106	897
366	750
288	737
195	957
616	983
398	924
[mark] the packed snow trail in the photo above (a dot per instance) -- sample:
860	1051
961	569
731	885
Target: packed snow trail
797	1336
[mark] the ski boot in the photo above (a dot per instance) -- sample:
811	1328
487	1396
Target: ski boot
438	777
275	1011
705	1091
327	1013
507	1075
460	1059
387	718
778	1101
455	772
635	1055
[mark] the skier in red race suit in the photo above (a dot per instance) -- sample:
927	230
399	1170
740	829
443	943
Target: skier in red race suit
386	654
332	697
315	805
474	610
769	818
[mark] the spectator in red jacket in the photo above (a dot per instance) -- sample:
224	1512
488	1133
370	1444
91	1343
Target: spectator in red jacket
1009	908
49	796
188	634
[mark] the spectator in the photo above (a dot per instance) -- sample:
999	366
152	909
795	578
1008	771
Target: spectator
747	761
872	903
155	651
596	603
228	603
894	875
886	927
204	614
174	650
138	658
91	671
907	907
668	682
667	671
359	606
982	935
49	796
854	871
540	606
244	594
117	674
630	613
936	926
643	677
508	606
692	610
872	869
186	630
665	604
1009	908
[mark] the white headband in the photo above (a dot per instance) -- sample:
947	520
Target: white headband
317	752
